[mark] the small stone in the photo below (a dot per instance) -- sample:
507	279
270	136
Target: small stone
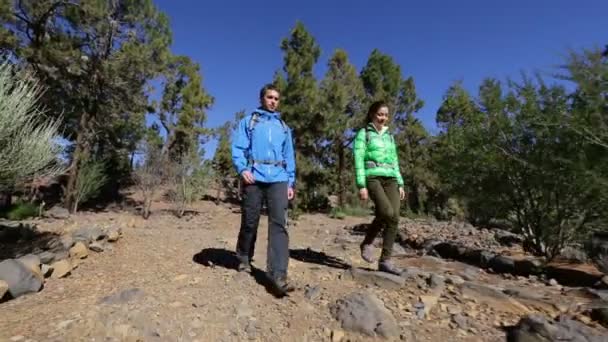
96	247
584	319
79	251
67	241
460	321
455	280
429	302
436	281
337	335
17	338
454	310
46	270
114	234
312	293
553	282
46	257
65	324
61	268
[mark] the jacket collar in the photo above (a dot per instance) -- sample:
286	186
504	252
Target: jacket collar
371	127
264	112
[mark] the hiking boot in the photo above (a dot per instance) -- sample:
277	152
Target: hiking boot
244	267
367	253
388	267
282	286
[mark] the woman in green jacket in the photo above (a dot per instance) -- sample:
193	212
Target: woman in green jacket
379	178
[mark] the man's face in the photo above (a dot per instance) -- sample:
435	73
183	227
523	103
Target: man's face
270	101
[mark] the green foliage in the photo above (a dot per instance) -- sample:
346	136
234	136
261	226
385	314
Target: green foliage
523	155
21	211
191	180
182	111
300	109
95	59
226	178
28	145
356	211
341	105
89	182
151	173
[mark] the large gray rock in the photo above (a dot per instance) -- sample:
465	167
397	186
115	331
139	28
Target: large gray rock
32	262
366	314
598	251
507	238
88	234
503	264
57	213
19	278
536	328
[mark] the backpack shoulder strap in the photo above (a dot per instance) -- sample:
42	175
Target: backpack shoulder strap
255	118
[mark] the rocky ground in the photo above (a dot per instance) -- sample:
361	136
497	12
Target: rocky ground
169	279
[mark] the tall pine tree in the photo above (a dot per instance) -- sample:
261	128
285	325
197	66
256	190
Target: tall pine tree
299	107
342	100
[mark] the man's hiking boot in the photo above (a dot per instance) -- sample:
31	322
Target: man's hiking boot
388	267
282	286
244	267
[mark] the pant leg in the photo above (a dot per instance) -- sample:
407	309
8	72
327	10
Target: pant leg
251	205
391	189
278	238
383	208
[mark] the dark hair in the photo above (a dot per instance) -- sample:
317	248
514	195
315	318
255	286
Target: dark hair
374	108
266	88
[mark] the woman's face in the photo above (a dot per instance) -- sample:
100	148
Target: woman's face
380	118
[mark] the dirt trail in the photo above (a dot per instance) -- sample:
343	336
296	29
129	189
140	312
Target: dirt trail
173	279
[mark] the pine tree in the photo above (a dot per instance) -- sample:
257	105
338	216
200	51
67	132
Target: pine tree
342	99
225	174
95	59
299	108
182	111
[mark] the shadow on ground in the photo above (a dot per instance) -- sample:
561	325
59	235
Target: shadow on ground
319	258
220	257
17	239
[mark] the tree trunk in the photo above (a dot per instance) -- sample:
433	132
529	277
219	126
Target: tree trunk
341	188
79	155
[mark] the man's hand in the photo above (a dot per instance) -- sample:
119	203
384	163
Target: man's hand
247	177
290	194
363	194
401	193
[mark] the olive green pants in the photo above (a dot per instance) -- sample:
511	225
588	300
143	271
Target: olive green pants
384	192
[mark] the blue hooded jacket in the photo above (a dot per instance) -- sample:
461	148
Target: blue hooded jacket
266	149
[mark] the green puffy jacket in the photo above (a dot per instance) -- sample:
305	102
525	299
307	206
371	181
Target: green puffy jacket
376	156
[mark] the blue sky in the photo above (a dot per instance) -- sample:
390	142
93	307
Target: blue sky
237	42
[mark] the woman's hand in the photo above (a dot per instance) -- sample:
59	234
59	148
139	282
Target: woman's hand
363	194
401	193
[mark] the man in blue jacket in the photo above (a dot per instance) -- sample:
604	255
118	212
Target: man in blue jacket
263	155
